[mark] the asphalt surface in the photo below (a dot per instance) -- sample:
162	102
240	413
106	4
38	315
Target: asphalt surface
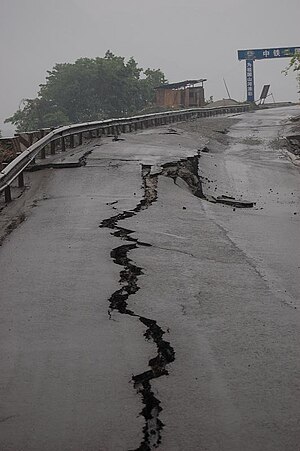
221	283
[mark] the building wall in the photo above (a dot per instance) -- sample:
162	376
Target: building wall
196	97
176	98
168	97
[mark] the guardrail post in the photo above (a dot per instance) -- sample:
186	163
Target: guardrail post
80	138
43	153
7	194
21	180
63	144
52	147
71	141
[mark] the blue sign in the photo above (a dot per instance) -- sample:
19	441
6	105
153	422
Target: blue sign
262	54
250	80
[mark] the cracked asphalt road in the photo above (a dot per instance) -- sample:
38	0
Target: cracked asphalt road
222	284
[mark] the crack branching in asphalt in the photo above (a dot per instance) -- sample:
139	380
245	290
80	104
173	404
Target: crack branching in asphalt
187	170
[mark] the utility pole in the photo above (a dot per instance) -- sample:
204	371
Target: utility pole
226	88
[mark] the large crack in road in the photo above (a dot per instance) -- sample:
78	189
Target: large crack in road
187	170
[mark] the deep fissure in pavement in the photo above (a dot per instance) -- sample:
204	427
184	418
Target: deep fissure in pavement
118	301
186	169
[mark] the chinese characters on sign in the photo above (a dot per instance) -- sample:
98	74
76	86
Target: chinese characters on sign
250	80
279	53
260	54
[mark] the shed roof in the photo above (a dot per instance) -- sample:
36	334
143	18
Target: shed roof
180	84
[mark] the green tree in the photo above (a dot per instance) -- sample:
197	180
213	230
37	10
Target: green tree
34	114
294	66
153	78
89	89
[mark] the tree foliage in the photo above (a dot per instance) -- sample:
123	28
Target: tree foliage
294	66
87	90
294	63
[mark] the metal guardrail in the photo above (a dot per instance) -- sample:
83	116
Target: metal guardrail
65	136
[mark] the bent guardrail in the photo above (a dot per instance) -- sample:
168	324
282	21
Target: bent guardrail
65	137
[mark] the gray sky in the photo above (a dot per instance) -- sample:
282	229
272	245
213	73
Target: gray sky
184	38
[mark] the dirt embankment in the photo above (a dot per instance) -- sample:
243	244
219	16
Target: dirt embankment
6	154
293	136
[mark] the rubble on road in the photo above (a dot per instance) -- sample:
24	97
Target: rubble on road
229	200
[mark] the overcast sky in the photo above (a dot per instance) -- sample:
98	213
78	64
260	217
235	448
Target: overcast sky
184	38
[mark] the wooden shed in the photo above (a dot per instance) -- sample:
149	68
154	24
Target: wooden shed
184	94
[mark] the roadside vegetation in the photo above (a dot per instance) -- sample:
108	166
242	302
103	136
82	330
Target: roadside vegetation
294	66
88	90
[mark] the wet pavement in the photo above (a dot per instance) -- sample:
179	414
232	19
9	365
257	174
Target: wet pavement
253	168
137	315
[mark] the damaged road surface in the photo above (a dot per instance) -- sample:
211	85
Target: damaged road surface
150	300
119	302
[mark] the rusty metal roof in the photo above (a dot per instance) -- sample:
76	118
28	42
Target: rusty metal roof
181	84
